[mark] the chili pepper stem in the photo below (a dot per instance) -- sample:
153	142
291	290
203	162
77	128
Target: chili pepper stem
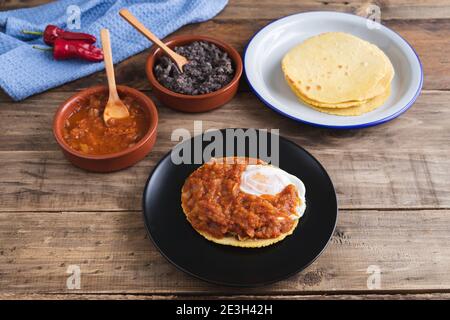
42	49
36	33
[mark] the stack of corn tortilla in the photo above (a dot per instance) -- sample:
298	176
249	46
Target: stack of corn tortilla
338	73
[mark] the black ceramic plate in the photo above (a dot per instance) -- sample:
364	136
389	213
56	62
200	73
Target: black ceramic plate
189	251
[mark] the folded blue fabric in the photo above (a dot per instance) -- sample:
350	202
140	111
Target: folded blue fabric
25	71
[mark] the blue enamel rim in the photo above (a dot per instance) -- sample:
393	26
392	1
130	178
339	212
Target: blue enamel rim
356	126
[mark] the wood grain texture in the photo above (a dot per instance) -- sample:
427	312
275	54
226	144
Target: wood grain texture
394	9
229	298
424	127
41	181
115	255
269	9
402	164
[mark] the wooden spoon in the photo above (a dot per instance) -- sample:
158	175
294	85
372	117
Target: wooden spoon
115	108
178	59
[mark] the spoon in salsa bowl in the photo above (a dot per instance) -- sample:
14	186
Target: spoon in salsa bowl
177	58
115	108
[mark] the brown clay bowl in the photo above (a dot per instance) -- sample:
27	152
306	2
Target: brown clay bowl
113	161
198	103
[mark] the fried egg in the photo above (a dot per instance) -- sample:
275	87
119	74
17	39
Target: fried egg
269	180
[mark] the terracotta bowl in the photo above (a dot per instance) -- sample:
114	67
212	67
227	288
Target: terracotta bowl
198	103
113	161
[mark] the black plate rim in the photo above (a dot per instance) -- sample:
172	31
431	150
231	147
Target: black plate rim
230	284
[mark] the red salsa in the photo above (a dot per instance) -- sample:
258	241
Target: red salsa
86	132
214	204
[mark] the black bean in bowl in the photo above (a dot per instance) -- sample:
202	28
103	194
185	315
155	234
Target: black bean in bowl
209	69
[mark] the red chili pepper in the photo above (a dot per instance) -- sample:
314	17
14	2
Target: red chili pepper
69	49
51	33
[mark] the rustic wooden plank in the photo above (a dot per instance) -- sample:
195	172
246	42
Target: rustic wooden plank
411	248
327	296
17	4
411	172
39	181
422	128
422	34
399	9
269	9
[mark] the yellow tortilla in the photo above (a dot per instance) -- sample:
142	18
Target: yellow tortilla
358	110
336	68
321	104
248	243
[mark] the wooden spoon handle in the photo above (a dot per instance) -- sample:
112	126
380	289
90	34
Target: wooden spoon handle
109	67
127	15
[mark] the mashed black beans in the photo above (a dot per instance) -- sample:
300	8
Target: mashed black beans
208	70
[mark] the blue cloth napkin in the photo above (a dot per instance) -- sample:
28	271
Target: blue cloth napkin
25	71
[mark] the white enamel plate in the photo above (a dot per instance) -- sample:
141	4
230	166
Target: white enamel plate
263	56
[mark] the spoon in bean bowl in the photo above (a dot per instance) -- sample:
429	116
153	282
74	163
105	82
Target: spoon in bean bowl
177	58
115	108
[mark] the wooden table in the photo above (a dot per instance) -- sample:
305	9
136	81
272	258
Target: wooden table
392	182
